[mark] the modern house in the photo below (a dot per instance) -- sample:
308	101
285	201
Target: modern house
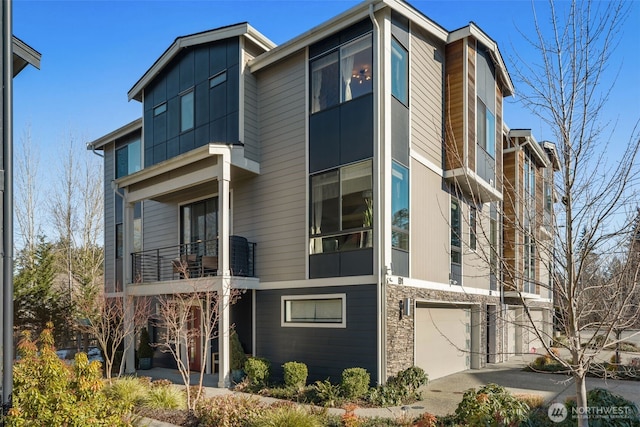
358	181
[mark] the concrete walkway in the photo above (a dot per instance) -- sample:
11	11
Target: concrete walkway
441	396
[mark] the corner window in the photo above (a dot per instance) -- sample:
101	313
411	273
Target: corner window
317	311
128	159
186	111
399	206
399	72
341	211
456	229
342	75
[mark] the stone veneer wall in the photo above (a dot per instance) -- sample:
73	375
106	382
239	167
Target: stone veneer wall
401	329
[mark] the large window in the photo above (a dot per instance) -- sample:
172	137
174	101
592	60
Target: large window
341	216
486	129
399	72
128	159
328	311
456	232
473	228
199	231
342	75
529	265
400	206
186	111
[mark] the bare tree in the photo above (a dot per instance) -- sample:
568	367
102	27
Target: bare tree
104	318
567	90
189	322
28	194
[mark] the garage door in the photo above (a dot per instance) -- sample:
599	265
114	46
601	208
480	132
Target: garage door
443	339
533	343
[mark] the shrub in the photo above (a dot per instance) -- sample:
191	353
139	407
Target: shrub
228	410
328	393
287	417
238	356
295	374
491	405
401	389
411	379
355	382
258	370
47	392
164	397
129	390
145	351
602	398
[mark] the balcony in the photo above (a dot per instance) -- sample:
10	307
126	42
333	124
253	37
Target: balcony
192	260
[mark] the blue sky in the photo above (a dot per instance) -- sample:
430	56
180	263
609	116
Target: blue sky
93	52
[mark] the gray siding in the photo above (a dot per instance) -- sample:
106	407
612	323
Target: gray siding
251	131
271	210
160	225
427	68
326	351
109	218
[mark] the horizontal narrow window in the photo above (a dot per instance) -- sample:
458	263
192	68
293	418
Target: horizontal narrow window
327	311
218	79
160	109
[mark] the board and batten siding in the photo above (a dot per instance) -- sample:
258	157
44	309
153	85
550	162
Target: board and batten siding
251	132
278	195
109	220
427	74
325	351
429	227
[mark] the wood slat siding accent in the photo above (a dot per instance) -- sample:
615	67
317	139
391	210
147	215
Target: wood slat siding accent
276	200
325	351
499	126
454	105
429	237
471	106
427	70
509	227
160	225
519	200
251	132
109	219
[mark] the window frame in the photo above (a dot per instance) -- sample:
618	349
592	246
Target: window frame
184	108
401	60
217	79
455	232
310	297
398	168
473	228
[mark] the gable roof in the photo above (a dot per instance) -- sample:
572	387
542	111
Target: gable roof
243	29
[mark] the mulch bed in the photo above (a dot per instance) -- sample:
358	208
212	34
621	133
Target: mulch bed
178	417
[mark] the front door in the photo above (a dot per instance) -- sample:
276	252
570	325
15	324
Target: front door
195	339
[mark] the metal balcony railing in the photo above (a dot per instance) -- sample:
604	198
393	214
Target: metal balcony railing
192	260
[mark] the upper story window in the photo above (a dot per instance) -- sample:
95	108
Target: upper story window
456	232
399	206
486	101
548	196
186	111
128	159
162	108
399	72
218	79
342	75
473	228
529	182
341	216
486	129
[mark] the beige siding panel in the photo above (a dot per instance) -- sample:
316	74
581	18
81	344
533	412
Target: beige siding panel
427	72
429	240
251	125
160	225
274	203
109	218
475	267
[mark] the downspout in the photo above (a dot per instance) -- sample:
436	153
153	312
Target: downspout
93	149
381	277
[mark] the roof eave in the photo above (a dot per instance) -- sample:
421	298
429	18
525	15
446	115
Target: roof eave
473	30
131	127
24	55
344	20
180	43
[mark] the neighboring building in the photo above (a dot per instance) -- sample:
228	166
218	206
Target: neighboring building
352	179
